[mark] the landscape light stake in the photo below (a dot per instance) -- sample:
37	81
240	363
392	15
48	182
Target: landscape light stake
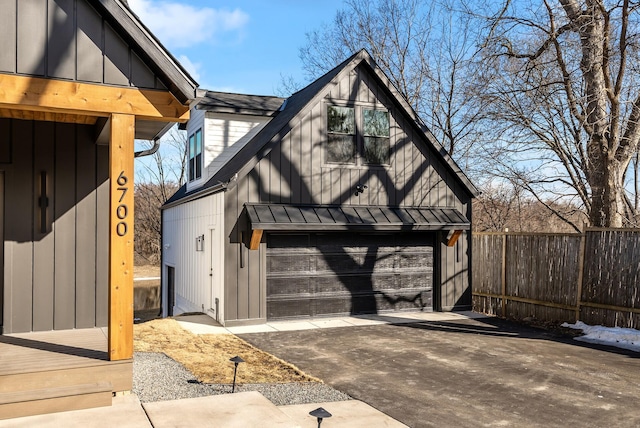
236	360
320	413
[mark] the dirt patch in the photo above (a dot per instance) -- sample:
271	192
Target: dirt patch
207	356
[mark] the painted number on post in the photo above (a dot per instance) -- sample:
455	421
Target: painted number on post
122	210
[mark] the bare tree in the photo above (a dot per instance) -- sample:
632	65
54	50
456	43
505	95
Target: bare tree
562	80
158	177
425	48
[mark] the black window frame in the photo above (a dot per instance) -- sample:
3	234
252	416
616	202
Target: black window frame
195	148
360	139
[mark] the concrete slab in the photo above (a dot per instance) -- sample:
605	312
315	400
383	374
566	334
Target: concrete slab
258	328
200	324
240	410
292	325
125	412
330	323
348	414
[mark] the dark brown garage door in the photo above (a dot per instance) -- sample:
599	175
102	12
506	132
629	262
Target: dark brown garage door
348	273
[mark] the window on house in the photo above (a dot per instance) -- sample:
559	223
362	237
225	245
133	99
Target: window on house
195	155
376	136
341	131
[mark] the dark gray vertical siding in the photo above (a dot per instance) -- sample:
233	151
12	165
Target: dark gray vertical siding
32	36
18	232
43	242
50	278
67	39
62	41
65	226
102	236
90	43
8	36
244	269
116	59
232	249
85	229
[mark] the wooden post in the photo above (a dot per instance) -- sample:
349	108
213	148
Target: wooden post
121	237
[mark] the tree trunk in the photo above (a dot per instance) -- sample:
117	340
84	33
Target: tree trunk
607	205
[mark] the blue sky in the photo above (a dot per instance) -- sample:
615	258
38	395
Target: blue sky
239	46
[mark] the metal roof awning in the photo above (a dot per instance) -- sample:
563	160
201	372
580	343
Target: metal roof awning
276	217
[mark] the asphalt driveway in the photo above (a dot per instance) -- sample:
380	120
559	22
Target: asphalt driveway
468	373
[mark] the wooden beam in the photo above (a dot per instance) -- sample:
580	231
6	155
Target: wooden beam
256	237
452	237
58	96
47	116
121	237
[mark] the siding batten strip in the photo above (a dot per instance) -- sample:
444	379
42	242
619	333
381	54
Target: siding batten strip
121	237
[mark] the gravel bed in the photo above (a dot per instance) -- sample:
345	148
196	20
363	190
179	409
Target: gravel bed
157	377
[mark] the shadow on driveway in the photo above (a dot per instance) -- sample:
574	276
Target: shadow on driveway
467	373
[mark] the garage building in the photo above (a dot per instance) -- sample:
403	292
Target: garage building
336	200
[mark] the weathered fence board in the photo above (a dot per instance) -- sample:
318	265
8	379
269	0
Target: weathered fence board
593	277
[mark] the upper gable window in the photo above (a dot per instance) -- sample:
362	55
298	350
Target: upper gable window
376	136
357	135
195	155
341	130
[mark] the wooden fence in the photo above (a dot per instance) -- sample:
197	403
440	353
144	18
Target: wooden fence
593	276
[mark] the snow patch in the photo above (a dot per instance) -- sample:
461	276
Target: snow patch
626	338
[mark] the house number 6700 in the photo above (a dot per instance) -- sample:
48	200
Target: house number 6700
122	210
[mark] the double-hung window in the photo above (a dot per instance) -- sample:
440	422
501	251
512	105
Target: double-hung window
357	135
195	155
341	133
376	136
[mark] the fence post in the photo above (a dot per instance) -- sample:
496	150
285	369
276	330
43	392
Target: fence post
503	275
583	239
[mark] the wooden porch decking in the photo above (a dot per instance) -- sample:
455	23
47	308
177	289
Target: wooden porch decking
45	372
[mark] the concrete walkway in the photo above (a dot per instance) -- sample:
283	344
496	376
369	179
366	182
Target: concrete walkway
204	324
240	410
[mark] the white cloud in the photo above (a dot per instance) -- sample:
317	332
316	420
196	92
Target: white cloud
179	25
191	67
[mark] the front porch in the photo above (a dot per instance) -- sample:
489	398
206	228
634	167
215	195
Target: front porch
46	372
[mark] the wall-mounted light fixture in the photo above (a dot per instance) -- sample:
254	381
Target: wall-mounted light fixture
200	243
360	188
43	202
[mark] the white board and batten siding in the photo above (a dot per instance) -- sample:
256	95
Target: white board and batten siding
199	275
226	134
223	135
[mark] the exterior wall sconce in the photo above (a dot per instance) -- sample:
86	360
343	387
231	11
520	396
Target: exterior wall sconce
360	188
43	202
321	414
200	243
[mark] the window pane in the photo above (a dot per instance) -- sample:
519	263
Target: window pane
376	123
341	120
198	142
191	169
341	148
192	147
376	150
198	161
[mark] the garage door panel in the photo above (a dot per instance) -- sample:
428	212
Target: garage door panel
394	301
348	273
289	308
290	263
415	261
289	286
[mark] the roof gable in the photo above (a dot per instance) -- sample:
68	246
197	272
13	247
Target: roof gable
298	105
148	47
